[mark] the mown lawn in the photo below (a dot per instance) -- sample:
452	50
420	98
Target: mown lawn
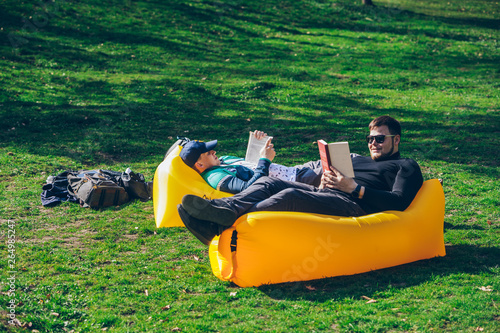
110	84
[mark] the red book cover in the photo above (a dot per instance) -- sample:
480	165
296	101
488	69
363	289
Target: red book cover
324	155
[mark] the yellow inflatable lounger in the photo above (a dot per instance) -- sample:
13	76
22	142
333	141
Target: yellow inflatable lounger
173	179
275	247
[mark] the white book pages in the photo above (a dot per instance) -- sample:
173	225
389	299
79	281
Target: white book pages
340	157
254	147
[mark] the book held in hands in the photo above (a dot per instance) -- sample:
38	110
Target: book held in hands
338	155
254	147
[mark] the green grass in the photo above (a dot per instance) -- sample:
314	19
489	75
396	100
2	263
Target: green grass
110	84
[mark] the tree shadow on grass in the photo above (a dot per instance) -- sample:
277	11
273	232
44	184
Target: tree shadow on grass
119	129
459	259
109	123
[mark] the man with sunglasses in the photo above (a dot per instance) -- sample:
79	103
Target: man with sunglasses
383	181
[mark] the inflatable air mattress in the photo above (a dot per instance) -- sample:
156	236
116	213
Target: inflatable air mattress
275	247
173	179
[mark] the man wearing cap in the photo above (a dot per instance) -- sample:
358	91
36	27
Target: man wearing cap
383	181
233	175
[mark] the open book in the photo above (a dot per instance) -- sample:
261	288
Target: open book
338	155
254	147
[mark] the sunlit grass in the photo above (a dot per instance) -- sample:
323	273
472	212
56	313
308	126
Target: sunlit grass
110	85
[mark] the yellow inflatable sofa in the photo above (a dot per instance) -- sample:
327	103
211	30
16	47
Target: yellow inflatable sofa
275	247
173	180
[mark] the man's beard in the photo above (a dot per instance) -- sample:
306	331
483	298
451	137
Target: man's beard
386	155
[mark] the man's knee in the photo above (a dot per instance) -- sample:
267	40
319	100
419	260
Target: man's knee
270	181
262	180
270	184
290	194
284	200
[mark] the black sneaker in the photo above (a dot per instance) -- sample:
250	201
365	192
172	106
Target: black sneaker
203	209
205	231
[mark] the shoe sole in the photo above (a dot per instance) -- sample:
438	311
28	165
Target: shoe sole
186	220
202	209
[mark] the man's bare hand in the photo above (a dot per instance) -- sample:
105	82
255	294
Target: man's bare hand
336	180
268	150
259	134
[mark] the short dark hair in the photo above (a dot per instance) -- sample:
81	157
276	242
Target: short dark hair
392	124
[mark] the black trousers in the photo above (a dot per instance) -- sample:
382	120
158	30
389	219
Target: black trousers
272	194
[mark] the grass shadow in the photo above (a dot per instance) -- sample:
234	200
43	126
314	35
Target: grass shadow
459	259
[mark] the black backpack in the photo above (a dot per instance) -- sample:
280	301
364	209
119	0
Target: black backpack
136	185
97	188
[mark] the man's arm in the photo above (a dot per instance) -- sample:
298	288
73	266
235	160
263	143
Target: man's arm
244	177
235	184
406	185
238	184
407	182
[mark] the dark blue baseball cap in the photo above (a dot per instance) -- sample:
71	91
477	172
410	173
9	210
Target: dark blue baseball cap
191	152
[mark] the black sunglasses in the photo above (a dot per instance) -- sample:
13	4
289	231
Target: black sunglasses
378	138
